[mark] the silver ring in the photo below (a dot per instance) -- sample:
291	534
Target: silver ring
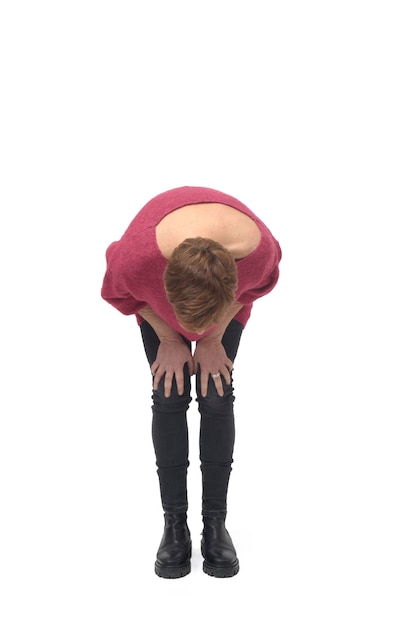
216	375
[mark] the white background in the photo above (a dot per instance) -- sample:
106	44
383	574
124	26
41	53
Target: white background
305	111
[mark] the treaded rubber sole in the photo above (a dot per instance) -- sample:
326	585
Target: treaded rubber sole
220	572
165	571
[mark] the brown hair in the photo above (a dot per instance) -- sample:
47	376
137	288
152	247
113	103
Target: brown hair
200	281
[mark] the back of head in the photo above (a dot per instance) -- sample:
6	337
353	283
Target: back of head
200	281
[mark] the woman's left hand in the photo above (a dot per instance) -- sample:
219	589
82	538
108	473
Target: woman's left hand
212	359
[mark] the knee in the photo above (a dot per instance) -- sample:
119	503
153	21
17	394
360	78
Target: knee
174	402
214	405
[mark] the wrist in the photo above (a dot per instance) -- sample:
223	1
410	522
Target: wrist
214	337
170	337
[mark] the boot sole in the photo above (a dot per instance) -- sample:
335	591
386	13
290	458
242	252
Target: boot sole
165	571
220	572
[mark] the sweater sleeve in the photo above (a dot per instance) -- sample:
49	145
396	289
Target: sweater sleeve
258	276
126	280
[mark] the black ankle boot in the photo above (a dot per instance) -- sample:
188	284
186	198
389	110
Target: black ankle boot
174	553
217	548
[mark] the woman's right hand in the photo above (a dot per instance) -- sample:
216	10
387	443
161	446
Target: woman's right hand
172	354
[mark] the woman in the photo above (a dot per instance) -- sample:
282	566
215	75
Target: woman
189	267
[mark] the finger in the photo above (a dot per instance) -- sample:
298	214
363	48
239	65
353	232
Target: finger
157	376
204	383
225	372
167	384
219	385
191	366
179	377
218	382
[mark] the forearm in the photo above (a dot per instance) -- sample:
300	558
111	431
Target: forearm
217	333
161	328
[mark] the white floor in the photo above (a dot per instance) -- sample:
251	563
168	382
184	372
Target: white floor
306	112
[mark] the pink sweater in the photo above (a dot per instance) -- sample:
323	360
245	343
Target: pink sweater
135	264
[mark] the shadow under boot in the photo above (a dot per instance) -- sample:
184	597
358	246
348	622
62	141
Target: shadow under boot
220	559
174	553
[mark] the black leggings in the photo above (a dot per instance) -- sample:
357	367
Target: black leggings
170	432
